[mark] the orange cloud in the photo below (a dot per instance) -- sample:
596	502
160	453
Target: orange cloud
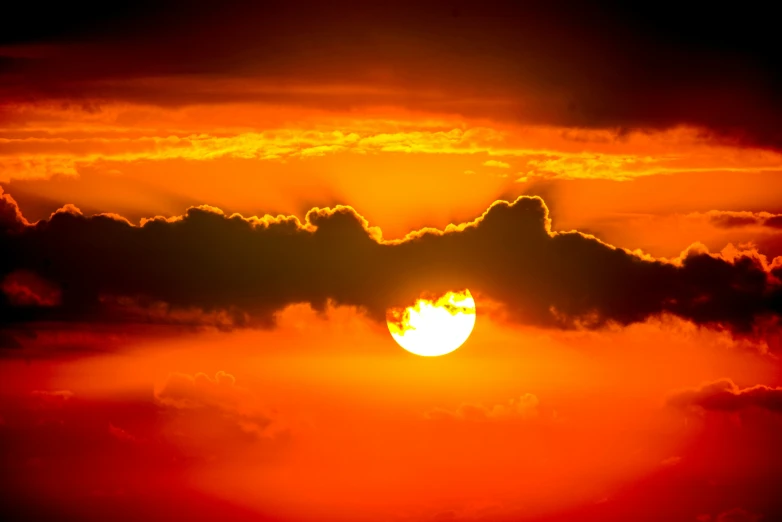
41	145
214	399
496	164
725	395
525	407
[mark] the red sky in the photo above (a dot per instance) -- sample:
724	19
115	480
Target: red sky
207	209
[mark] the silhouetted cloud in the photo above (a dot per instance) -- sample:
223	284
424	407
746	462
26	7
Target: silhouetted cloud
10	216
730	219
234	271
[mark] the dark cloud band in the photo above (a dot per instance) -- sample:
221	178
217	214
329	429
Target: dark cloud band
102	268
602	65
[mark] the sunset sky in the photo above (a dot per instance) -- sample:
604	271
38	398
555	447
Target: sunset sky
214	215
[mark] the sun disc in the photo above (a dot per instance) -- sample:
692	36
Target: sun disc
434	327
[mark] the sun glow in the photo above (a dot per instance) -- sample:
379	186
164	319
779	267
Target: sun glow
432	328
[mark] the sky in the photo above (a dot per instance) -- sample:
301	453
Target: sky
212	214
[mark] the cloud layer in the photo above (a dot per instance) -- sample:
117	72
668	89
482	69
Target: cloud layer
560	63
242	270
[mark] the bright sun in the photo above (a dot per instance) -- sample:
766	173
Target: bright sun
432	328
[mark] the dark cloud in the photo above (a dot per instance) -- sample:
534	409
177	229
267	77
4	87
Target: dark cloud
730	219
11	218
733	219
26	289
725	395
231	271
774	222
602	65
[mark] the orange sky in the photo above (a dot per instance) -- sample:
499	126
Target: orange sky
205	212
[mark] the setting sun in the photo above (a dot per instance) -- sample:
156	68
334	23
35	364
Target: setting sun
432	328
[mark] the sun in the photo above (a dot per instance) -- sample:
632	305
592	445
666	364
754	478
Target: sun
434	327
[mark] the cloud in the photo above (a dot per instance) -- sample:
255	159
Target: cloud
773	221
525	407
10	216
121	435
239	272
52	396
725	395
35	145
185	391
738	515
26	289
218	400
496	164
543	150
606	66
728	219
